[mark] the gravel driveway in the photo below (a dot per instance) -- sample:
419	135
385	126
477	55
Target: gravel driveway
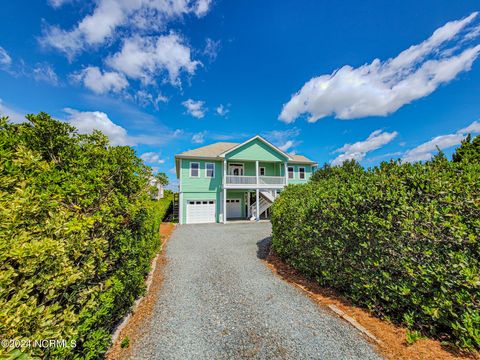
219	301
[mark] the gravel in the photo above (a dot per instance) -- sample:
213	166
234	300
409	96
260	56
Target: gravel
219	301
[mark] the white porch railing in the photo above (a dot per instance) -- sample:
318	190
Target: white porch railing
241	180
252	180
272	180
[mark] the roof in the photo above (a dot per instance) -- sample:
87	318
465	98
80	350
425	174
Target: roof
217	150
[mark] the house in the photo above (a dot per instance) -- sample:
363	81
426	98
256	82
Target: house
226	180
158	193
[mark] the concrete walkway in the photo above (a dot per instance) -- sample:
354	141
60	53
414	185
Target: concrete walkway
219	301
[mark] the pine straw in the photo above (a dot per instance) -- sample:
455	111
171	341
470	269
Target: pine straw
143	312
392	337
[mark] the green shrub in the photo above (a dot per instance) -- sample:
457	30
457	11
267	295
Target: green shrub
400	239
77	234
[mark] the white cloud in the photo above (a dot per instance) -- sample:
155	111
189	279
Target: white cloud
285	140
14	116
198	138
380	88
109	16
152	157
145	98
195	108
87	121
101	82
426	150
211	48
58	3
5	59
144	58
357	151
222	110
45	72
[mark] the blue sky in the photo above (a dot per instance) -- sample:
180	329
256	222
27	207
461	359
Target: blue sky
337	80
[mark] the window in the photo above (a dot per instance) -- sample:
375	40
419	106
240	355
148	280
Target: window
194	169
209	170
301	173
262	171
235	169
290	172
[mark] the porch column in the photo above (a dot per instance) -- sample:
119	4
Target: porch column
224	171
286	172
224	200
258	203
257	171
248	204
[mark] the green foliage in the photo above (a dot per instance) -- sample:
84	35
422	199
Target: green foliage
411	337
125	343
77	234
468	151
399	239
162	178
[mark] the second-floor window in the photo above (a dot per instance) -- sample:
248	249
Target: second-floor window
290	172
209	170
262	171
194	169
301	173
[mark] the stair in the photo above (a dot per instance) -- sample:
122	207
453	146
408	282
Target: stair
266	200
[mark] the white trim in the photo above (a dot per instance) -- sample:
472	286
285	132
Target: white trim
190	169
254	138
264	170
180	209
180	178
236	164
210	177
293	172
304	173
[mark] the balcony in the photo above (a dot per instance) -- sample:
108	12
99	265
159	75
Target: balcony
237	181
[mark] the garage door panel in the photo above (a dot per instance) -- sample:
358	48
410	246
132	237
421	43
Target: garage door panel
234	209
200	211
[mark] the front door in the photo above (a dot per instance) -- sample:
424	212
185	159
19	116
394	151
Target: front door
235	169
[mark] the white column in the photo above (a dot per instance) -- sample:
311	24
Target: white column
224	171
248	204
258	204
257	171
224	205
286	173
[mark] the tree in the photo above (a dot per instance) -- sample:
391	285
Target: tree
162	178
468	151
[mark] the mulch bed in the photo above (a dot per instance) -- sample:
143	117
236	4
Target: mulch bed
145	308
392	337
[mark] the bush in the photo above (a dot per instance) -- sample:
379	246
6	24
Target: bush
77	234
400	239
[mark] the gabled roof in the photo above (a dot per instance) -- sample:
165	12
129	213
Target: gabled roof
257	137
209	151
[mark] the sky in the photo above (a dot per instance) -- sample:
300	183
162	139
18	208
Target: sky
369	80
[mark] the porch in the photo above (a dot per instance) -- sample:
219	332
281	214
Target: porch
254	175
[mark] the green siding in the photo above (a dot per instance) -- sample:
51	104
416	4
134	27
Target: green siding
202	183
255	150
296	179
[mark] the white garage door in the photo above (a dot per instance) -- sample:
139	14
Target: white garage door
200	211
233	208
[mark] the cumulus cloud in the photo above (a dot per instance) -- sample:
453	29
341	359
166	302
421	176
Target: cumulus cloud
222	110
109	16
357	151
87	121
382	87
198	138
5	59
101	82
14	116
195	108
152	158
427	150
144	58
45	72
285	140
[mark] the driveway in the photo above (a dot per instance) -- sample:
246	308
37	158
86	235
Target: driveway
219	301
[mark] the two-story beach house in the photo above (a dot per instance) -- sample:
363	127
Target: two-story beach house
224	180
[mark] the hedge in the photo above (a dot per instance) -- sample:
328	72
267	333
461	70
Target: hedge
399	239
77	233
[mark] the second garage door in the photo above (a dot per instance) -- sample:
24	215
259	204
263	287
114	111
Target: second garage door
234	209
200	211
